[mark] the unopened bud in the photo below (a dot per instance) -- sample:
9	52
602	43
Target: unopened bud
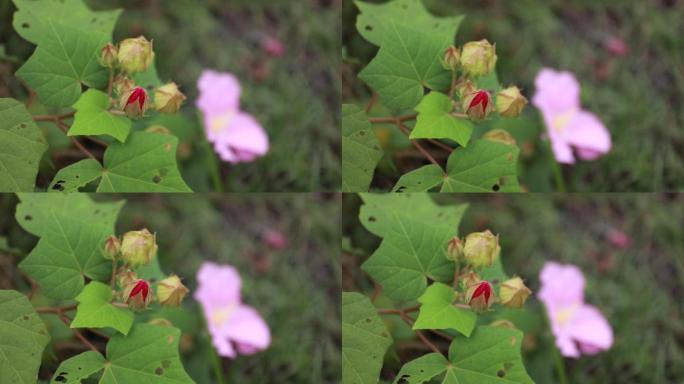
480	296
477	103
171	291
455	249
452	57
108	55
510	102
137	294
168	99
514	293
478	58
138	247
481	249
112	247
469	278
134	102
136	54
122	84
126	277
500	135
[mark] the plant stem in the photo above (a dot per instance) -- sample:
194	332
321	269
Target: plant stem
418	146
391	311
78	145
218	369
391	119
111	280
560	366
111	82
214	168
457	269
557	172
56	310
371	103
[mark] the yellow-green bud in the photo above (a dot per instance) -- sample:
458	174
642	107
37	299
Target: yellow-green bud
452	57
112	247
138	247
500	135
469	278
455	249
135	54
168	99
481	249
513	293
171	291
122	84
478	58
510	102
126	277
108	55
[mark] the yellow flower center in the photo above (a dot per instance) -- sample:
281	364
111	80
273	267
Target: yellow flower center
218	123
564	315
222	315
561	121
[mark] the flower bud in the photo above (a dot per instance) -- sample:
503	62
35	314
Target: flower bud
138	247
134	102
477	103
137	294
510	102
112	247
481	248
514	293
126	277
455	249
500	135
480	296
478	58
135	55
470	278
452	57
108	55
171	291
122	84
168	99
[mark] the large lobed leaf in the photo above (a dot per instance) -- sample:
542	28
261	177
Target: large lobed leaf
145	163
364	340
23	337
22	145
415	233
95	309
360	150
93	117
148	354
490	356
437	311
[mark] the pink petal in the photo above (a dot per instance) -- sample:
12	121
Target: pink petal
586	132
219	285
243	140
562	285
567	346
223	346
589	328
218	92
556	91
561	150
248	330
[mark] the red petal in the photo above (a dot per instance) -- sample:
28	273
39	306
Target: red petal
140	287
483	288
480	97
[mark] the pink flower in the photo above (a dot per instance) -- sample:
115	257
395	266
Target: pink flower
579	328
232	325
568	126
236	135
272	46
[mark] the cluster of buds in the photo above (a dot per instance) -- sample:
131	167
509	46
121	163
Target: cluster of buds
480	294
136	55
139	248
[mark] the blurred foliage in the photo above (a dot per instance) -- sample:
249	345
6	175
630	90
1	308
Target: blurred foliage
638	96
295	286
295	97
639	288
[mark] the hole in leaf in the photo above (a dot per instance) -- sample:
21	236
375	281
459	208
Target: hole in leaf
372	219
496	187
61	377
28	217
25	317
156	179
25	25
58	186
368	320
159	371
501	373
401	189
369	28
362	133
22	125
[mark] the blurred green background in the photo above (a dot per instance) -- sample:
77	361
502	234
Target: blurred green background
293	284
638	95
295	97
638	287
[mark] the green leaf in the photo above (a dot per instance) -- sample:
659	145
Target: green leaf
490	356
422	179
93	117
22	145
32	19
435	120
484	166
375	20
149	353
23	337
36	212
407	62
415	232
364	340
96	311
360	150
78	368
145	163
438	312
65	60
69	250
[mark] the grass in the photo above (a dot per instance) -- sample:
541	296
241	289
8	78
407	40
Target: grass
639	288
639	96
295	288
295	97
